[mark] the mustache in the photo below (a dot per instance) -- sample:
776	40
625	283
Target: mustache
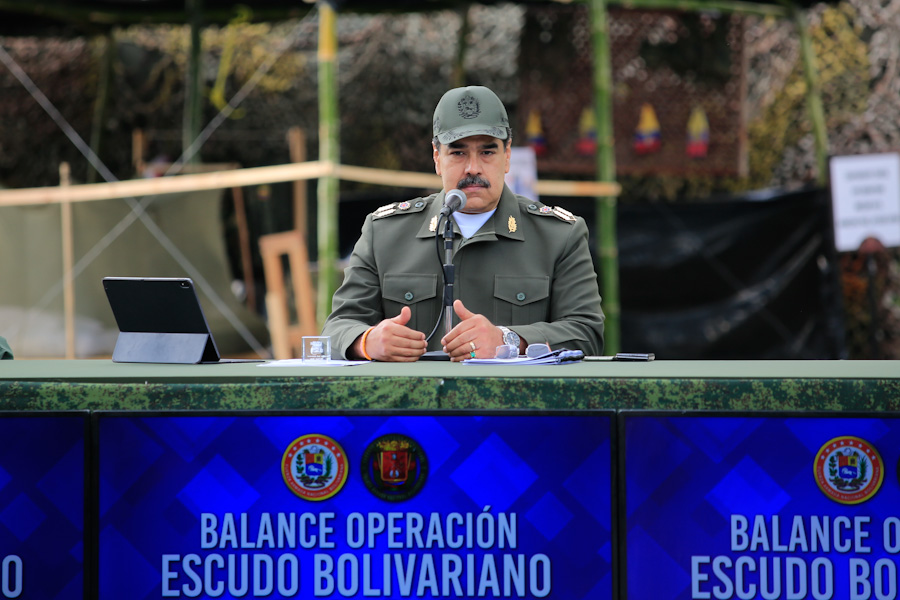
473	180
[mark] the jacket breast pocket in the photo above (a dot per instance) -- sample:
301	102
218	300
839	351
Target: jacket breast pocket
418	292
521	300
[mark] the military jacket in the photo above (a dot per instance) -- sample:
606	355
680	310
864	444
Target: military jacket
528	268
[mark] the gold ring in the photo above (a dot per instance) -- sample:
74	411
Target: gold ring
472	354
472	344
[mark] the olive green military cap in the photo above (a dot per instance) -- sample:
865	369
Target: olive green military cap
467	111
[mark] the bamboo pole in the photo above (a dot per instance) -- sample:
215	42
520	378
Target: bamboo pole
240	217
730	6
102	100
157	186
458	76
297	149
329	150
813	96
192	106
136	13
607	244
137	151
164	185
65	179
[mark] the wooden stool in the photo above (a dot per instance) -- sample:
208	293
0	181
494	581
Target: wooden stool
286	337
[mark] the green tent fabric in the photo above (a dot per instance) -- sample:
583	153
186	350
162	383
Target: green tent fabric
31	299
5	351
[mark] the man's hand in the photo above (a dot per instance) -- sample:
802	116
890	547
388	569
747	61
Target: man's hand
392	341
473	330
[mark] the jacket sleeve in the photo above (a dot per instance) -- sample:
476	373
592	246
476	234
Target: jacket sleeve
576	318
356	304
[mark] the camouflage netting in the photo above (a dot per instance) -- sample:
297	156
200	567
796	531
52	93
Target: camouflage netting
392	70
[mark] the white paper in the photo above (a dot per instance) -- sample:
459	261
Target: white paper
522	360
299	362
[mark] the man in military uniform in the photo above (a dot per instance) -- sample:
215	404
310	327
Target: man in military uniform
523	271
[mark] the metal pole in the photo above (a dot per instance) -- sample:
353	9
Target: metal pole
449	275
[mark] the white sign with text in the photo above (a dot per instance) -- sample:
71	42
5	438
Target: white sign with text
865	192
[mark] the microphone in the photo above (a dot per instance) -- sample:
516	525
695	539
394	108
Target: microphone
454	200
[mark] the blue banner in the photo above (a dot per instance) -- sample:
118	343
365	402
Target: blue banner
353	506
42	468
786	507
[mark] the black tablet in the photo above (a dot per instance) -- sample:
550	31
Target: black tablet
160	320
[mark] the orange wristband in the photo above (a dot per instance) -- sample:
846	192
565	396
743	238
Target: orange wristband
363	344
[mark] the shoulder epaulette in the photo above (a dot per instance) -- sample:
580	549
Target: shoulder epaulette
399	208
555	211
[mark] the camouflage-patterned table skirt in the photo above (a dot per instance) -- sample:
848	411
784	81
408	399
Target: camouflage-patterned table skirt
667	385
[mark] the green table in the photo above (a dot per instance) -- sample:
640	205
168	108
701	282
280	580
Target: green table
668	385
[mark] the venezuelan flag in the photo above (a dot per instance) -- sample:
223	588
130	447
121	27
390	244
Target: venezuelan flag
535	134
587	133
647	137
697	134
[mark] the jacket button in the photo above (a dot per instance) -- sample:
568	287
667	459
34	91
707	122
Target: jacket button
520	296
408	295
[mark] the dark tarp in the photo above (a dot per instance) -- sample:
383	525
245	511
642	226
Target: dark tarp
750	278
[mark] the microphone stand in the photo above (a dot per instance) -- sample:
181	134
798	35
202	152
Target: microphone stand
449	275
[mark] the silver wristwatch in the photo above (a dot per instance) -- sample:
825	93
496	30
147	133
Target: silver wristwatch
510	337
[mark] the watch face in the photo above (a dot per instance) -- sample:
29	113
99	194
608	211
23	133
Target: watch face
511	338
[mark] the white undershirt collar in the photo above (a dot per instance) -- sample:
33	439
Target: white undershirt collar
469	224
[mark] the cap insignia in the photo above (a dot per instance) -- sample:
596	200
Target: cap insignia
468	107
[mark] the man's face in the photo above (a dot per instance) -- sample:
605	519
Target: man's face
475	165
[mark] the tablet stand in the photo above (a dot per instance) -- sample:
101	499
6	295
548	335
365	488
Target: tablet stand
173	348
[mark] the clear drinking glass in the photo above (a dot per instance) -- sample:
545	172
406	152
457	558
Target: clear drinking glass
316	347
